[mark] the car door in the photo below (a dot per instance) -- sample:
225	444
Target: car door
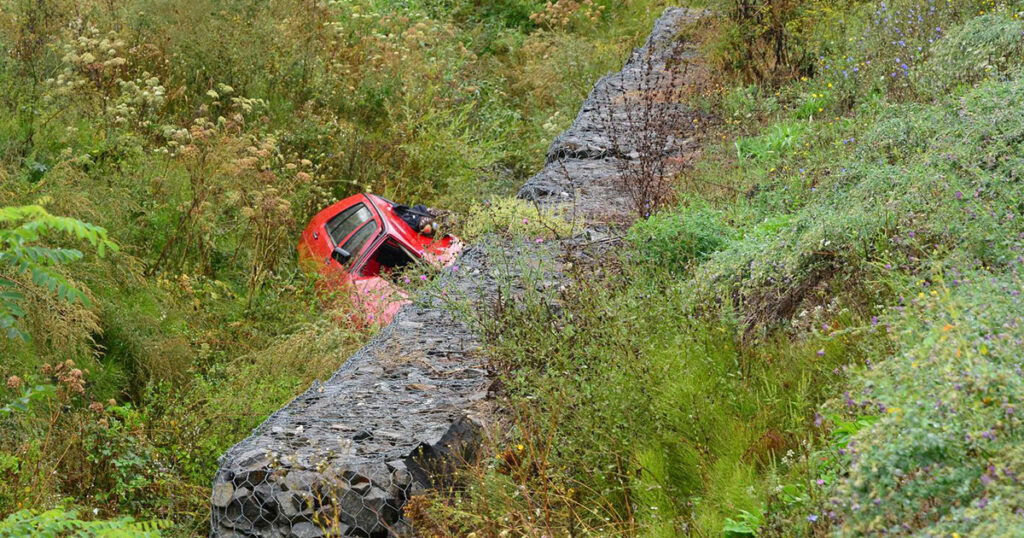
351	230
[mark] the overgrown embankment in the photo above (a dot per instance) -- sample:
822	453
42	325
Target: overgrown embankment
822	337
202	137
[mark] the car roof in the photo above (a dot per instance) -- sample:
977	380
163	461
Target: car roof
391	223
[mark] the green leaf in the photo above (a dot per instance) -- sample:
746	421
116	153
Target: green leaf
21	230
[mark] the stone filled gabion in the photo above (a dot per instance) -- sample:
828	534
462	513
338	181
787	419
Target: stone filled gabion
349	452
586	162
408	408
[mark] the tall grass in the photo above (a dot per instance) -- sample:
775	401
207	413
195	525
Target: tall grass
820	346
203	137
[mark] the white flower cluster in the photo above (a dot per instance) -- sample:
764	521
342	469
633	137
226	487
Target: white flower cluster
137	98
89	56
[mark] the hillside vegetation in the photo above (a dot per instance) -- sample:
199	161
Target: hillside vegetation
822	335
819	335
157	162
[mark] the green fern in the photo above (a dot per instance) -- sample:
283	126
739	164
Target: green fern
60	522
21	229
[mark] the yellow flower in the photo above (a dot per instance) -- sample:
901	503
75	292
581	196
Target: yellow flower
520	447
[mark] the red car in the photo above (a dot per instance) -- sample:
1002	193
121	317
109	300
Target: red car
354	243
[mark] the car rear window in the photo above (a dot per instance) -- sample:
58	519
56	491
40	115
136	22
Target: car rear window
348	220
358	239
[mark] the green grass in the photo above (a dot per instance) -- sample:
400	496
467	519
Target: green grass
822	346
203	138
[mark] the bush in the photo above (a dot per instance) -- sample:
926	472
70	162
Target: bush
944	456
22	255
676	239
985	46
770	41
888	47
59	522
513	217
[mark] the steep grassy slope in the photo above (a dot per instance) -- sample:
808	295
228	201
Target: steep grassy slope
822	338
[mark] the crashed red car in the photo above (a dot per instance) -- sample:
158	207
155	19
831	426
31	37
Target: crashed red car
355	243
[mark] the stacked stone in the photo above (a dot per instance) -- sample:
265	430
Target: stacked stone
349	452
585	162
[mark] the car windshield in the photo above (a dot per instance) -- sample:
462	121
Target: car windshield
358	239
345	222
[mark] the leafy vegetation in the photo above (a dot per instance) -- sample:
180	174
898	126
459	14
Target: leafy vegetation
57	522
821	337
20	255
819	340
515	218
196	140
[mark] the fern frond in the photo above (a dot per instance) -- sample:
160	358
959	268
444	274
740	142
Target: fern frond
21	228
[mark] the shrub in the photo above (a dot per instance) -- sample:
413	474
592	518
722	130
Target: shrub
888	45
60	522
513	217
945	454
985	46
675	239
770	146
21	254
769	41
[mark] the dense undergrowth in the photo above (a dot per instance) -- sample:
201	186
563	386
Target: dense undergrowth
201	136
823	338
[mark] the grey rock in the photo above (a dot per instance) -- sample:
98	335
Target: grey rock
223	492
300	480
306	529
225	532
294	504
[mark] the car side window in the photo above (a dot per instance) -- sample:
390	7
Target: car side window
358	239
347	221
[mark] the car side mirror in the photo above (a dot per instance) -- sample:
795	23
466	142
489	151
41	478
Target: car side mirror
340	255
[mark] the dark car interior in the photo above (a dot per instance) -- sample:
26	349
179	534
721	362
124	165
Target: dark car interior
388	257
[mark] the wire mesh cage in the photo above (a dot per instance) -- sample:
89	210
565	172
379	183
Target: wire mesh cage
342	458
